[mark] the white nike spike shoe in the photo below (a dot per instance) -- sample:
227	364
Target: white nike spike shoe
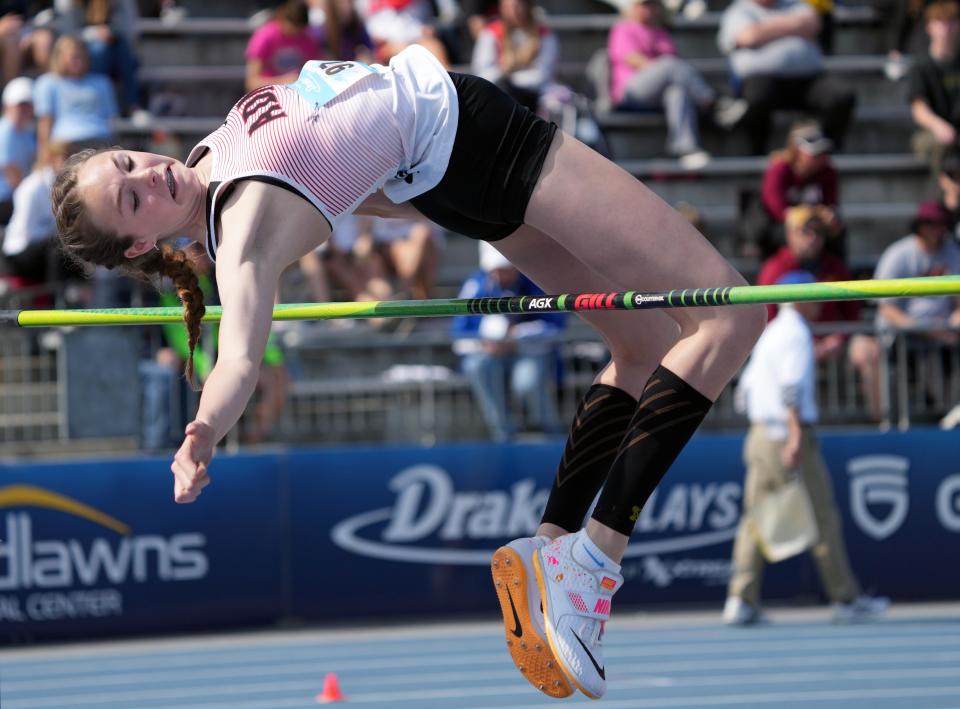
516	586
577	582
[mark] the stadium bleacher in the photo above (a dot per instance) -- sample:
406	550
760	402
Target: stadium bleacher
200	59
193	66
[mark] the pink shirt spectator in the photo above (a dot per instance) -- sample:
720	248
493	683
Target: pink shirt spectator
783	188
281	53
627	37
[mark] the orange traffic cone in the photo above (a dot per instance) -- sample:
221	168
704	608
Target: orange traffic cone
331	690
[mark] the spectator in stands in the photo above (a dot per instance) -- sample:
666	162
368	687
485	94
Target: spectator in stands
350	261
646	73
396	24
824	9
278	50
30	242
778	65
801	173
24	44
807	228
18	141
949	183
498	351
926	251
517	52
73	105
411	250
778	390
935	85
109	29
342	32
478	14
907	40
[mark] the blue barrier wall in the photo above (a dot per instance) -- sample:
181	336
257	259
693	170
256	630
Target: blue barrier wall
93	548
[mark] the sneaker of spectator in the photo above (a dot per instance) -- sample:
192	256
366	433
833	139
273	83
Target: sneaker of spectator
727	111
737	612
861	609
952	419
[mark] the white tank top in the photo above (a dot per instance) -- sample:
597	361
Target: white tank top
339	133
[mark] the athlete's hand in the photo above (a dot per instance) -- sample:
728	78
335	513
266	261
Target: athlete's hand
190	463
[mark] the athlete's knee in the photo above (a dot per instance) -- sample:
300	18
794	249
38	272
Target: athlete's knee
742	325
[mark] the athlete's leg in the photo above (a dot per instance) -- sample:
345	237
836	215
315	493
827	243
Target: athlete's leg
626	233
637	341
612	223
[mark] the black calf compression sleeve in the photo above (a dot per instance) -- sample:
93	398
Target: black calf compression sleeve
598	428
669	412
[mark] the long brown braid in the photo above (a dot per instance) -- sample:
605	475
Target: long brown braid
84	243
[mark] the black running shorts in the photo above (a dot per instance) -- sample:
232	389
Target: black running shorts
496	161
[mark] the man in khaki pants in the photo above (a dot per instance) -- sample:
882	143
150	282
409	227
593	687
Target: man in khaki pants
779	391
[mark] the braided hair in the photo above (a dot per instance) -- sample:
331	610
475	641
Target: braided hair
84	243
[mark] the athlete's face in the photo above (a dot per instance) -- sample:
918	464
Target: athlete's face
143	195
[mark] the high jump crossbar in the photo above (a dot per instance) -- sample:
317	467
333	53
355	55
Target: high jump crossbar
577	302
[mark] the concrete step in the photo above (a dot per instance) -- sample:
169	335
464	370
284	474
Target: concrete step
871	227
210	90
222	40
629	135
864	72
857	31
869	179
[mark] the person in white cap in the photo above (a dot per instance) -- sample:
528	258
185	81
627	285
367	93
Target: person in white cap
18	141
500	353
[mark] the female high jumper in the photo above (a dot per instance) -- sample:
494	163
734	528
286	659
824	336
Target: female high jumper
411	140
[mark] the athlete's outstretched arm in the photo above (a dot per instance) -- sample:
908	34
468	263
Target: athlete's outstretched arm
255	248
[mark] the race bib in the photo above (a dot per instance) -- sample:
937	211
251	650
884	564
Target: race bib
322	81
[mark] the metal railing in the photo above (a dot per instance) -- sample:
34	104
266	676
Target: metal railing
363	386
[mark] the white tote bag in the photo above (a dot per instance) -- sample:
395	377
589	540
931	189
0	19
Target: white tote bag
782	521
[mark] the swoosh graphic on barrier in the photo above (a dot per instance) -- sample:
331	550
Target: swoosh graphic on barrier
345	535
30	496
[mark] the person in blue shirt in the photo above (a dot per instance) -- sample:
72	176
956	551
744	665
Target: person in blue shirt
72	104
496	349
18	141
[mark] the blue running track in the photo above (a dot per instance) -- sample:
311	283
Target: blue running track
910	660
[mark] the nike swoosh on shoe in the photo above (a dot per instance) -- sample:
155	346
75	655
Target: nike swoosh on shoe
597	667
517	628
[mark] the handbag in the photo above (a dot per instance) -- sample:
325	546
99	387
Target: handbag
782	521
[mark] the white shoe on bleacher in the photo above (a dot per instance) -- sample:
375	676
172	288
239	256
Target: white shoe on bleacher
577	582
697	160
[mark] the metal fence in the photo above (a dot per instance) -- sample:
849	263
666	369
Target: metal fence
363	386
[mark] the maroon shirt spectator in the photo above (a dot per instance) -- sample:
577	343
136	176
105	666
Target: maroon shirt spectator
802	173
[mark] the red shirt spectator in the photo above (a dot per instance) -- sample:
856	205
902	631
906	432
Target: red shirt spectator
806	232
